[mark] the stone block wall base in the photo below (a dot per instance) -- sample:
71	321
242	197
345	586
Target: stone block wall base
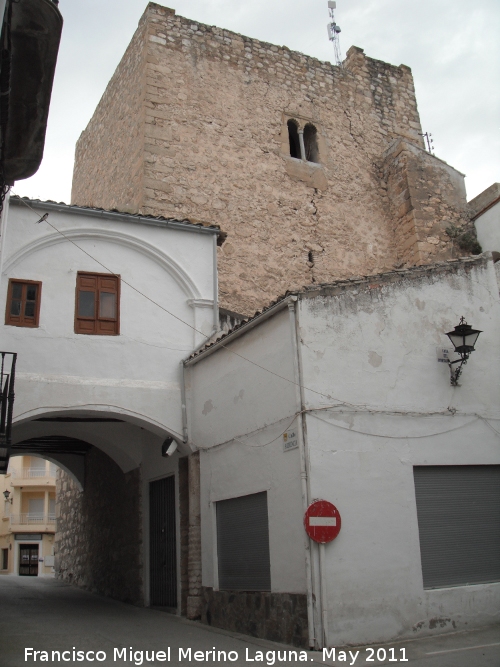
194	607
279	617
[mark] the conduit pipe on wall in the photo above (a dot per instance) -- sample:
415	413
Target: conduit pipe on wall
302	440
215	287
183	371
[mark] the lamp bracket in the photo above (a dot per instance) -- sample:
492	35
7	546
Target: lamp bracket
455	374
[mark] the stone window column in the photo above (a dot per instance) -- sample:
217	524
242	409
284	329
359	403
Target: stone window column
302	145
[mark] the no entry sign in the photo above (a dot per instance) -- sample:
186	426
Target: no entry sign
322	521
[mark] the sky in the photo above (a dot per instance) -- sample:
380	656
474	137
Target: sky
452	47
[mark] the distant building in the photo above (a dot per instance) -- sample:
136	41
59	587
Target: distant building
485	211
28	517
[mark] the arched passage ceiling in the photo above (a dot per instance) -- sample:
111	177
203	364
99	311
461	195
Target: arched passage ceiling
68	453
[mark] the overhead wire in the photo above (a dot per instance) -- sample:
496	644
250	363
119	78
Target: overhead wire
44	218
341	403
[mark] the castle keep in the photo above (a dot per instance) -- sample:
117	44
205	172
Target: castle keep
315	172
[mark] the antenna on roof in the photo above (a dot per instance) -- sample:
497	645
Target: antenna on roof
429	141
333	32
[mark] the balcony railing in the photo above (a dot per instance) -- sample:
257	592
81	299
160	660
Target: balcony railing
31	519
33	473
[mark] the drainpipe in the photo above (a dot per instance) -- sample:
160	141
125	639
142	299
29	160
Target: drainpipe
184	370
215	286
302	440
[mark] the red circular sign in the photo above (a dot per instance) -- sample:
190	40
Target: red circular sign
322	521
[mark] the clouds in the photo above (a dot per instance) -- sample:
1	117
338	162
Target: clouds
452	47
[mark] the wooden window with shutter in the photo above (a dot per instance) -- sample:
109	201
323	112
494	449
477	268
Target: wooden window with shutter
97	309
23	303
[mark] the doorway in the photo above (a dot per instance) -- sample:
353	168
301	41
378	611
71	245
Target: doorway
28	560
163	547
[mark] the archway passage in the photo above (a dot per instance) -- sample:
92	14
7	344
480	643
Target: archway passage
99	529
109	525
95	527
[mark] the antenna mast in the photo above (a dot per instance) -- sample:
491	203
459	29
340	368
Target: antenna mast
333	32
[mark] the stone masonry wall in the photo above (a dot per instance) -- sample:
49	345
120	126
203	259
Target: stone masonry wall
212	107
278	617
184	531
427	196
194	599
99	533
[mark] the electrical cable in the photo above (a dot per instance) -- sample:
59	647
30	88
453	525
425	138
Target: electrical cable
341	403
267	370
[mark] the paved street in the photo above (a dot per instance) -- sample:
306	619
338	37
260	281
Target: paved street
46	615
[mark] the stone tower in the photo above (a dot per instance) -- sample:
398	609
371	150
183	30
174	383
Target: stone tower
315	172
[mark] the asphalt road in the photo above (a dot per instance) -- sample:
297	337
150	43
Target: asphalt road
46	615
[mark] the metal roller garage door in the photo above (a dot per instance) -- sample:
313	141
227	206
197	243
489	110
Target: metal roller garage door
243	543
458	510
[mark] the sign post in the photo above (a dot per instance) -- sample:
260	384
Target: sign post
322	523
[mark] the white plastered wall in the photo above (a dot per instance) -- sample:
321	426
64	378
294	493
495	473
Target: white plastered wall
135	374
374	352
238	413
488	229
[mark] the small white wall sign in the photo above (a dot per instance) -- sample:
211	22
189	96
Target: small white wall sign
290	440
443	354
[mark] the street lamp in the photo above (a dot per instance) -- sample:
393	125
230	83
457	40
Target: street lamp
463	338
6	495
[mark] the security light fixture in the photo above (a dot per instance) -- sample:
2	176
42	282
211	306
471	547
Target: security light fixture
463	338
169	446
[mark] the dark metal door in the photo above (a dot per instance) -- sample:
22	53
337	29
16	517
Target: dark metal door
163	560
28	560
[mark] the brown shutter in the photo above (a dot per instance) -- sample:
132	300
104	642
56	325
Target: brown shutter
86	284
107	323
97	308
21	311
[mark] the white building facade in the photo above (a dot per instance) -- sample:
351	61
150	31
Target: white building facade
337	393
101	308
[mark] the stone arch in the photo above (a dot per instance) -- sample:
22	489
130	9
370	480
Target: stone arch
66	453
118	238
120	434
102	507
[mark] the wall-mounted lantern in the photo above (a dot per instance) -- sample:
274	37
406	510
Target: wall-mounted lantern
463	338
6	495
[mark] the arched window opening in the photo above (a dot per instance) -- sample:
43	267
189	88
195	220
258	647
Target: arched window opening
293	137
311	143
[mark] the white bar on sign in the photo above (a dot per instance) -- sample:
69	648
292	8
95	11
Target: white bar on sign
322	521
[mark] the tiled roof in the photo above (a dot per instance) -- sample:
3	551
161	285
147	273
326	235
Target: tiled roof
338	286
115	212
